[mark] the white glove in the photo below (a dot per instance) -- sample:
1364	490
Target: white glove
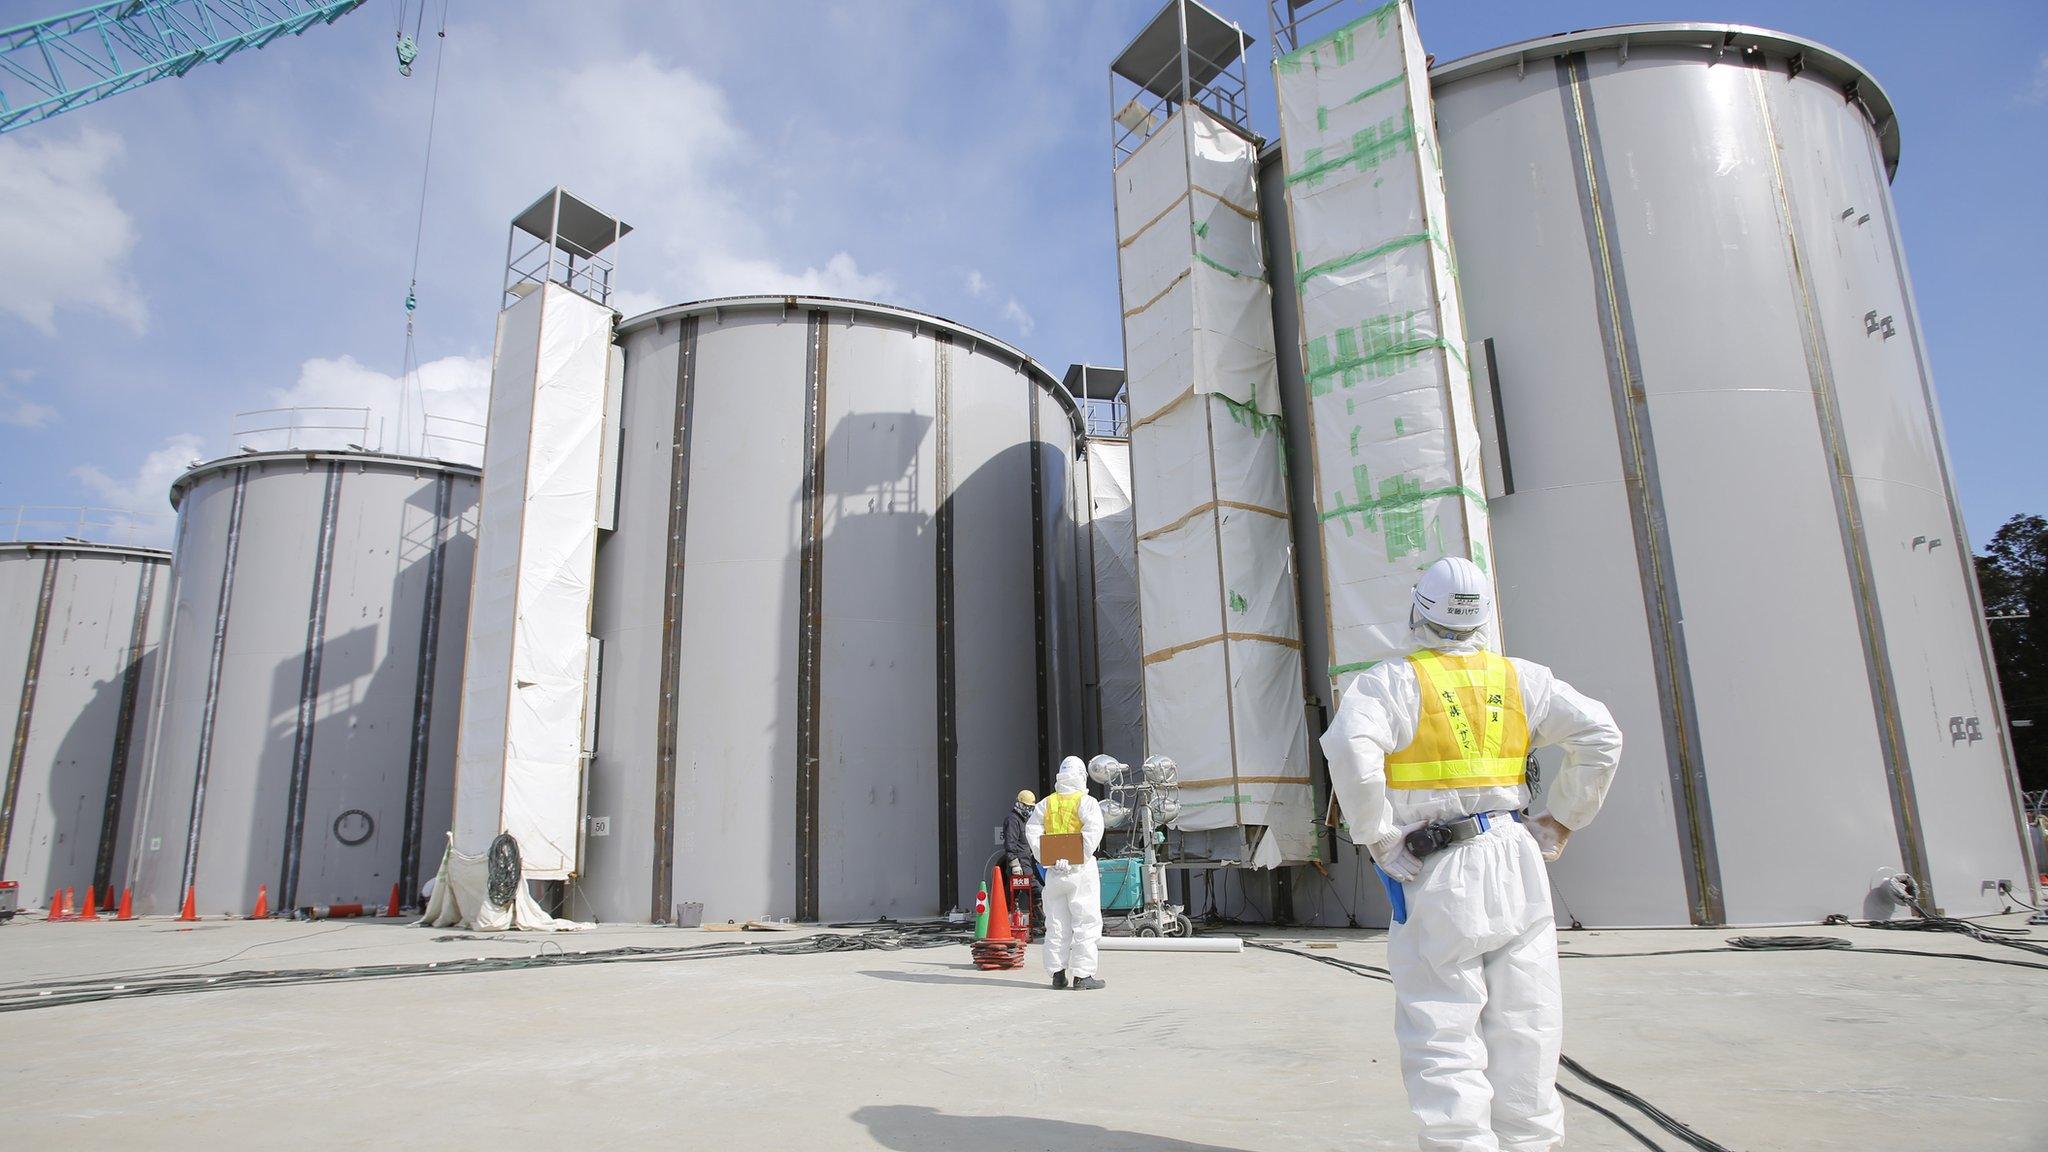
1549	836
1391	853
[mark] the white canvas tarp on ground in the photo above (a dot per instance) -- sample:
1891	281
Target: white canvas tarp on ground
1222	648
519	757
1396	446
461	899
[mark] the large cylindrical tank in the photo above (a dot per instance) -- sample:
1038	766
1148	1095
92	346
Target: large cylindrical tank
79	630
305	733
1730	515
836	612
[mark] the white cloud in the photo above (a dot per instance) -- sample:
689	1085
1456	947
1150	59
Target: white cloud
977	284
443	419
23	413
66	239
141	501
725	274
1017	316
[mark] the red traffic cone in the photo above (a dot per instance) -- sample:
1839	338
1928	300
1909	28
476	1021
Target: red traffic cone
998	909
190	911
127	911
55	911
262	909
392	908
92	907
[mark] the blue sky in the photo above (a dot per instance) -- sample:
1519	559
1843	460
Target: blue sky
242	237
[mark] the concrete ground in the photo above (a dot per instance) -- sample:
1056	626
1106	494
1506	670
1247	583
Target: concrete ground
917	1051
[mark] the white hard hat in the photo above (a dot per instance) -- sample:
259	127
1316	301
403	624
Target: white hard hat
1454	594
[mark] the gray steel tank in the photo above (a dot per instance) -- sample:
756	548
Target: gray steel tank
80	626
836	614
304	737
1730	513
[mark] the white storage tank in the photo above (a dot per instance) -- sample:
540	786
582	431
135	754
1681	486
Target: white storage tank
305	735
79	630
1728	510
837	621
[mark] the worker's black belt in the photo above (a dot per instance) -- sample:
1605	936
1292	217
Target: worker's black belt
1435	837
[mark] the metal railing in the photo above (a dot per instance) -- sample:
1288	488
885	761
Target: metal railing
1106	418
577	269
83	524
439	434
285	429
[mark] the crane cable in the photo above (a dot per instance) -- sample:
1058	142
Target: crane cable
409	382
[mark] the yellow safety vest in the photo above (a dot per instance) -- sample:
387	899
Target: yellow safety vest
1062	813
1473	731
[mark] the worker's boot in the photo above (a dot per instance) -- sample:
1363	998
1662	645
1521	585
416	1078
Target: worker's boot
1087	983
1059	980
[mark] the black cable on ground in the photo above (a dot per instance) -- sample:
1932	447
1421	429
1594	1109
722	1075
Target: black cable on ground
1658	1116
1926	921
1624	1125
1655	1114
1788	943
50	994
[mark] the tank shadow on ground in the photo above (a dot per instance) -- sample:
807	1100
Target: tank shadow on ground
936	978
909	1128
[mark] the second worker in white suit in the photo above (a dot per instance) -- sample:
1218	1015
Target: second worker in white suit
1437	744
1073	892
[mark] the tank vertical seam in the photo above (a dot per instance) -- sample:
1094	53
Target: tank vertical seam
425	668
1038	613
1685	755
1849	516
124	724
1956	526
31	675
666	736
811	622
943	609
203	759
309	693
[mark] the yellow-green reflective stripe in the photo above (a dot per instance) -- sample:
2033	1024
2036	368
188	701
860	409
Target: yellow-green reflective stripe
1479	766
1515	781
1062	813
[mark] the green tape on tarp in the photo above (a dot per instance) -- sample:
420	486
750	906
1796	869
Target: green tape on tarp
1339	263
1292	61
1370	146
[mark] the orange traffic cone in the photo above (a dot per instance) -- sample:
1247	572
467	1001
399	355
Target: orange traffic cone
392	908
55	911
127	911
190	911
262	909
92	907
998	909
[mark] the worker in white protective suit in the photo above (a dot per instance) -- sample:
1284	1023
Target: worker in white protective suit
1436	746
1073	892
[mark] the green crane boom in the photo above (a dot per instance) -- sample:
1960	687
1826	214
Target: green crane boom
69	61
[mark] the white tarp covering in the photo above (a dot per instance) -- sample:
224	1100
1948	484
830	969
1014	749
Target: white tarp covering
461	899
1396	446
1222	650
1118	650
519	755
